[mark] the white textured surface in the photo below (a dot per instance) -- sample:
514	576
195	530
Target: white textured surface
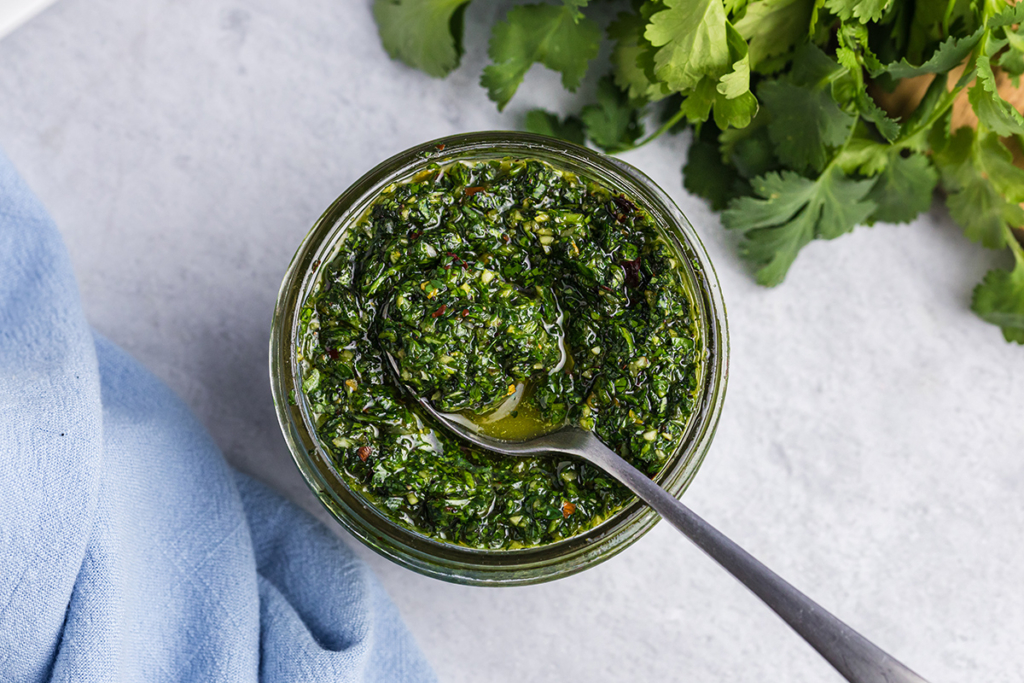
871	445
14	13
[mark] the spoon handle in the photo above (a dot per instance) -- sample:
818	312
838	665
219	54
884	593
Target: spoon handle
854	656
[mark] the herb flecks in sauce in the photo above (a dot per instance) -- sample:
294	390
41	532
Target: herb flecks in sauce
484	279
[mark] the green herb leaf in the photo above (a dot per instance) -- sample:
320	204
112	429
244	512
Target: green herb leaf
866	107
1012	61
729	96
612	123
993	111
546	34
805	122
950	53
425	34
737	82
862	155
750	150
707	175
999	299
983	186
630	46
774	27
791	211
691	35
862	10
850	53
543	122
903	189
737	113
575	6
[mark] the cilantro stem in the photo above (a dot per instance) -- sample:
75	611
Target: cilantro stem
1015	245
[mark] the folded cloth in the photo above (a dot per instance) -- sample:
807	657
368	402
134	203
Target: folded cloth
129	550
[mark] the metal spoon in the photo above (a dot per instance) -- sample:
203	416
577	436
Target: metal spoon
854	656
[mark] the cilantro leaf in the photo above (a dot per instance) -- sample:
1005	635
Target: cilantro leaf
707	175
870	111
862	10
999	299
692	39
735	113
575	6
805	122
993	111
546	34
1012	61
983	186
425	34
774	27
544	122
612	123
812	67
749	149
851	51
630	46
904	189
948	55
737	81
730	98
983	213
1011	14
863	155
790	212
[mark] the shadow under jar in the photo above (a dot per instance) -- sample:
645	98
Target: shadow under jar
404	544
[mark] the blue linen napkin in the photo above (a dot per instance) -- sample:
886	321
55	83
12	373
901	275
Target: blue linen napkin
129	550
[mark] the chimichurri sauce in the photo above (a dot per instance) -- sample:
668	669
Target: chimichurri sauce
524	298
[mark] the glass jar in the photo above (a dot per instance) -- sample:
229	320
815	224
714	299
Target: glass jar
448	561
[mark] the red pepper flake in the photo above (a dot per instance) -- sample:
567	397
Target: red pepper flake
465	312
568	508
333	353
316	264
414	234
364	452
632	272
506	238
440	311
625	206
470	191
439	148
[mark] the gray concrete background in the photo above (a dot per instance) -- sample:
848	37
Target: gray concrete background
870	448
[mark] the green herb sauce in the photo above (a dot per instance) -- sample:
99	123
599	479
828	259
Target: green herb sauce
524	298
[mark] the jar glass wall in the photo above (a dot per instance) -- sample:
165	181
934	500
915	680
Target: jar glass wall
454	562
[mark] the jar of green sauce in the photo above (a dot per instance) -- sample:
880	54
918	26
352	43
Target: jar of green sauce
469	257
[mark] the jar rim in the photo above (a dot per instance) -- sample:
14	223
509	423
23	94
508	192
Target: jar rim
448	561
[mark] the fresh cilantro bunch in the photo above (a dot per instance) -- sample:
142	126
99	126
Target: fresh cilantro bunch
811	116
